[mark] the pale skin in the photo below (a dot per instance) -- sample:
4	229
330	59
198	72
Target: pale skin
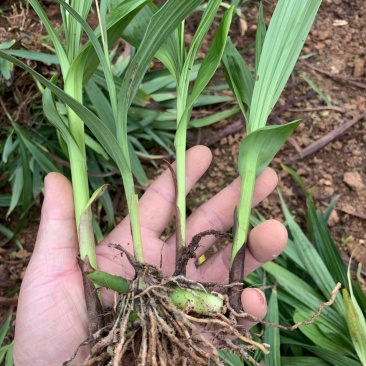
51	317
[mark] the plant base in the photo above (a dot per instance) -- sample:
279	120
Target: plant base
148	329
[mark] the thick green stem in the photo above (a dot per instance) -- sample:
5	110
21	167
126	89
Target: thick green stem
131	197
81	197
180	150
79	175
241	231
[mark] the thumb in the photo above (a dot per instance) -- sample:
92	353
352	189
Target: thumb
56	246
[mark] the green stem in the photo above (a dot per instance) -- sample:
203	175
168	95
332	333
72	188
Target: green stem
180	150
244	210
80	187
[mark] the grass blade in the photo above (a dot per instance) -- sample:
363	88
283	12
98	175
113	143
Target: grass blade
313	263
287	32
238	76
260	35
161	26
272	334
60	50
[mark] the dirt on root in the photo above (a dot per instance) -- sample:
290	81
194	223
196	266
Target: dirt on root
329	160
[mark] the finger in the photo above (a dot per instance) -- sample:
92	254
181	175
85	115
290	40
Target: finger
157	205
51	303
56	246
218	212
265	242
254	303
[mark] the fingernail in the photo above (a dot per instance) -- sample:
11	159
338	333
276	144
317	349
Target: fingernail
261	294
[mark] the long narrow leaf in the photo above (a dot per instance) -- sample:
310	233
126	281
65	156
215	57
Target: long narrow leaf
287	32
272	334
60	50
161	26
238	75
260	35
207	69
322	334
313	263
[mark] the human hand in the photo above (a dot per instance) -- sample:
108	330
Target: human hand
51	317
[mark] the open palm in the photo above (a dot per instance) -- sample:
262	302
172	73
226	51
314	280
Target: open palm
51	317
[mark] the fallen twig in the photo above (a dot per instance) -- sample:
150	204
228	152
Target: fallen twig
321	108
326	139
355	83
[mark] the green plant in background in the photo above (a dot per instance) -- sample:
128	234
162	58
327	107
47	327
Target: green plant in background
6	351
305	275
6	67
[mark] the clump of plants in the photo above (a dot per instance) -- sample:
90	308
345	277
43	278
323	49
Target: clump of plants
158	319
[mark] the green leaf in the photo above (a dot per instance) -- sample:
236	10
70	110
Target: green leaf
238	75
229	358
5	328
136	166
198	37
325	245
312	262
36	56
256	152
303	361
168	53
212	59
334	358
17	187
9	360
206	121
9	147
60	50
161	26
355	319
207	70
116	21
36	150
286	35
294	175
95	146
6	45
259	147
330	208
323	333
260	35
100	104
298	294
10	235
317	89
356	325
272	334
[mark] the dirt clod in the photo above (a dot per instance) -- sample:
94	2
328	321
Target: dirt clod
354	181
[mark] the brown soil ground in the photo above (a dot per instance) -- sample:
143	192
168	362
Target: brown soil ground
329	160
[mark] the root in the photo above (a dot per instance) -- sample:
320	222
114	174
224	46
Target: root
149	330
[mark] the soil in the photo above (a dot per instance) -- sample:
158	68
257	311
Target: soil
329	160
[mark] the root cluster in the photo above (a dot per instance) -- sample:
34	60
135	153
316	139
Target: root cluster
149	330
